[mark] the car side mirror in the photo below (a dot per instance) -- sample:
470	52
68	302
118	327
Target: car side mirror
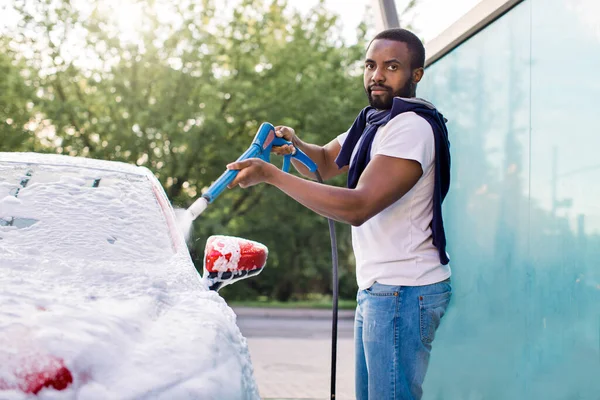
228	259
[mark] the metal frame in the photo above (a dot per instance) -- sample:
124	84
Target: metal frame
472	22
386	16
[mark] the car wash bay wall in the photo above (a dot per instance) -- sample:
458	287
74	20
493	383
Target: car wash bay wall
522	99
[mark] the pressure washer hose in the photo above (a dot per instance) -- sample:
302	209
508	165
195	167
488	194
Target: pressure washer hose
334	319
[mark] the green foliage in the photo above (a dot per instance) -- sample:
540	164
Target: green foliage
186	97
15	103
313	301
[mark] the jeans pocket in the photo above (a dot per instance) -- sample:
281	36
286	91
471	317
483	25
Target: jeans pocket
379	289
432	309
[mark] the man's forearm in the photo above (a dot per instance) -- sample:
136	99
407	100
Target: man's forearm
383	182
340	204
323	156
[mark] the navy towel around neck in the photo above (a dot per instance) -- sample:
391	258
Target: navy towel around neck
367	123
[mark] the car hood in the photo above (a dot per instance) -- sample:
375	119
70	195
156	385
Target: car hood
144	331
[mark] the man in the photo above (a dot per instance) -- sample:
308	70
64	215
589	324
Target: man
397	157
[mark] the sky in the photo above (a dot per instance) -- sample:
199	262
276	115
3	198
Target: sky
431	16
428	19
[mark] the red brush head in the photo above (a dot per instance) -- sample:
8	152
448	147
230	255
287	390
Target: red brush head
228	258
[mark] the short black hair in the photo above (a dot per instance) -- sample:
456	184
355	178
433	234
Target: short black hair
415	46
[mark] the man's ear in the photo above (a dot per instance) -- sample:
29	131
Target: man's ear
417	75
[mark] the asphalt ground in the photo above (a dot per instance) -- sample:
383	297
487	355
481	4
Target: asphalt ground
291	352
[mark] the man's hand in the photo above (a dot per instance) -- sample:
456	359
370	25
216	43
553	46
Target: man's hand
288	134
323	156
252	172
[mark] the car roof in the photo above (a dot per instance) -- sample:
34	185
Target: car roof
64	160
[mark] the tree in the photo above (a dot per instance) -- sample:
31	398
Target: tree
16	106
186	97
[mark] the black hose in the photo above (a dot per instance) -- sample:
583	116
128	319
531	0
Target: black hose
334	319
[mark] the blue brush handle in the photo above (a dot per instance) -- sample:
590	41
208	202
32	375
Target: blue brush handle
303	158
298	155
261	148
228	176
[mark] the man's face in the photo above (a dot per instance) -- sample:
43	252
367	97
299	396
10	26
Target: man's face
388	73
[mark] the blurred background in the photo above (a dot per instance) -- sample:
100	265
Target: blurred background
181	86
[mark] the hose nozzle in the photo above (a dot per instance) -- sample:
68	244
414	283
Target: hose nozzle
198	207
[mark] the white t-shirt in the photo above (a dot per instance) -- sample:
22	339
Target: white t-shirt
395	247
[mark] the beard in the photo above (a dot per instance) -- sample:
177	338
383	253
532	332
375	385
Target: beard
384	101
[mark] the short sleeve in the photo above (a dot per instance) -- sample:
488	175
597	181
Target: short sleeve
407	136
342	138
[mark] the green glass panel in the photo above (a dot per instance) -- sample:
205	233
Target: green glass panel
523	213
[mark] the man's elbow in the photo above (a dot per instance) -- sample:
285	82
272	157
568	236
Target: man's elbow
356	223
357	219
359	212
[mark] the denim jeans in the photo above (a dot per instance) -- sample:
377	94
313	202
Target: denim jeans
393	331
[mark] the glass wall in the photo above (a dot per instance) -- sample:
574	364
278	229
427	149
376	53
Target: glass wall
523	215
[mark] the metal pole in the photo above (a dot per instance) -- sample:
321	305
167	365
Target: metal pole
386	16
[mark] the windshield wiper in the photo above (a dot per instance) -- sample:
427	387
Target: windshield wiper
24	181
20	222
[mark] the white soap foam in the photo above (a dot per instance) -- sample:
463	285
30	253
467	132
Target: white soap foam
97	283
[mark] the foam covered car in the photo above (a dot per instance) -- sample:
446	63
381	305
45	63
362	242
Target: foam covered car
99	297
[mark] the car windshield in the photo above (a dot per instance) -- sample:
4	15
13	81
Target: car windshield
67	212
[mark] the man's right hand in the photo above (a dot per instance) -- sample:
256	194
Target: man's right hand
288	134
323	156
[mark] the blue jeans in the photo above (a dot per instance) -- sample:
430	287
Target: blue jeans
393	331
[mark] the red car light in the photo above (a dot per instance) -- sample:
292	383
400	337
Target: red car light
37	372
